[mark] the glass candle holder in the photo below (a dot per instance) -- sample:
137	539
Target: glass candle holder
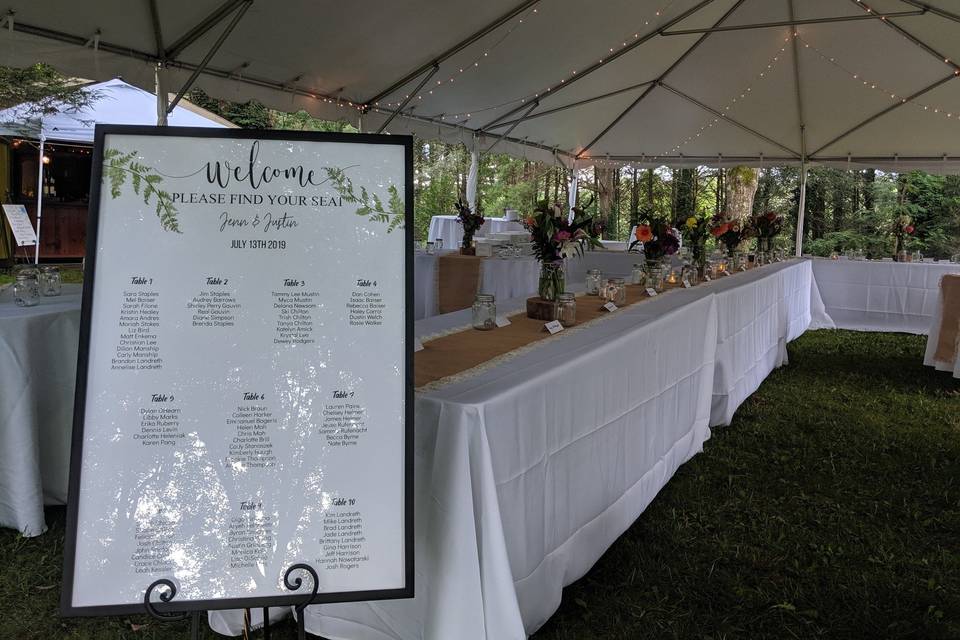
438	244
50	282
594	282
431	247
484	312
26	289
567	309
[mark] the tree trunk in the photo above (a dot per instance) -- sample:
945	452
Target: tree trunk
869	178
739	190
650	189
634	195
605	178
686	196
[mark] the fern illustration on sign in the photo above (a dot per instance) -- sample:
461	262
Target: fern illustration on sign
117	166
370	204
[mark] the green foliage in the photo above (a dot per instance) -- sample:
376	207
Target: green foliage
247	115
370	204
117	166
46	89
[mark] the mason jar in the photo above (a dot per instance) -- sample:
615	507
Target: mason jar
50	281
26	289
567	309
594	281
617	291
638	274
484	312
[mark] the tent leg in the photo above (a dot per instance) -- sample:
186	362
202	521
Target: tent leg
472	177
801	209
36	254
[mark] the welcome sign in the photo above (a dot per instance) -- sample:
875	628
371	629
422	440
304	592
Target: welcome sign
244	391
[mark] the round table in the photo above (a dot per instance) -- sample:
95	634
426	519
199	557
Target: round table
38	364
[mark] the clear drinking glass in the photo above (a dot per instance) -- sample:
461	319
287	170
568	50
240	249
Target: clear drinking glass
438	244
50	281
431	247
594	281
484	312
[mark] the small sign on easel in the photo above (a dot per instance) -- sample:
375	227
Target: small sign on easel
23	231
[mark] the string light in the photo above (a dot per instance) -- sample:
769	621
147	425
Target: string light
739	96
620	44
876	86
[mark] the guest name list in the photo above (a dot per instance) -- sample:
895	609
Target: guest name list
245	382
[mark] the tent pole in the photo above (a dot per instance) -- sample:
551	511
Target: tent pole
36	253
801	209
162	97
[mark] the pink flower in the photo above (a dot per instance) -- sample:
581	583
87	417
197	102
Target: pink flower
561	236
908	228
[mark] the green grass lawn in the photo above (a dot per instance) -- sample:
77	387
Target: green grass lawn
830	508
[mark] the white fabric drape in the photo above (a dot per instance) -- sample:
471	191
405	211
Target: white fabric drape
449	229
521	486
929	356
472	176
880	296
38	360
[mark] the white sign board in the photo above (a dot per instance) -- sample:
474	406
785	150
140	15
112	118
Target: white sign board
244	399
23	231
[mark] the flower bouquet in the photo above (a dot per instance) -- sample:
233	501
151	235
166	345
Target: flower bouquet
902	229
471	221
696	230
555	237
766	226
730	232
658	240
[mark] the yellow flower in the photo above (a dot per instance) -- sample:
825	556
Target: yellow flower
691	223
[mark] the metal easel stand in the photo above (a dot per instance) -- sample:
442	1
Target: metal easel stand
166	596
169	592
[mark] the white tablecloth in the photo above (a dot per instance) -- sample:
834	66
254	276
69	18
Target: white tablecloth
38	362
450	230
932	339
867	295
521	484
505	278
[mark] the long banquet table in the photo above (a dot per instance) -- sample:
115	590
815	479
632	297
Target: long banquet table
872	295
521	485
38	359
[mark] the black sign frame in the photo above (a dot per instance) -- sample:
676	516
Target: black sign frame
67	609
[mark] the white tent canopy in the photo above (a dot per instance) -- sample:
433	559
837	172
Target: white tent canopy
647	82
116	103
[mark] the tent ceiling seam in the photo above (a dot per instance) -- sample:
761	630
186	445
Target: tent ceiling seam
676	63
887	110
607	60
727	118
452	51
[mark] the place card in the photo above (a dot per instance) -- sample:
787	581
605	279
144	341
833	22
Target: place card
707	277
686	284
502	321
554	326
726	273
417	345
651	291
610	307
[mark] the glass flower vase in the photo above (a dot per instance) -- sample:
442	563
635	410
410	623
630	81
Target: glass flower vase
552	281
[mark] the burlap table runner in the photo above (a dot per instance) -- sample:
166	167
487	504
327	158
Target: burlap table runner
458	281
950	321
457	352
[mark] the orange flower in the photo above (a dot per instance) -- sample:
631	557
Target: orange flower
644	233
531	221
